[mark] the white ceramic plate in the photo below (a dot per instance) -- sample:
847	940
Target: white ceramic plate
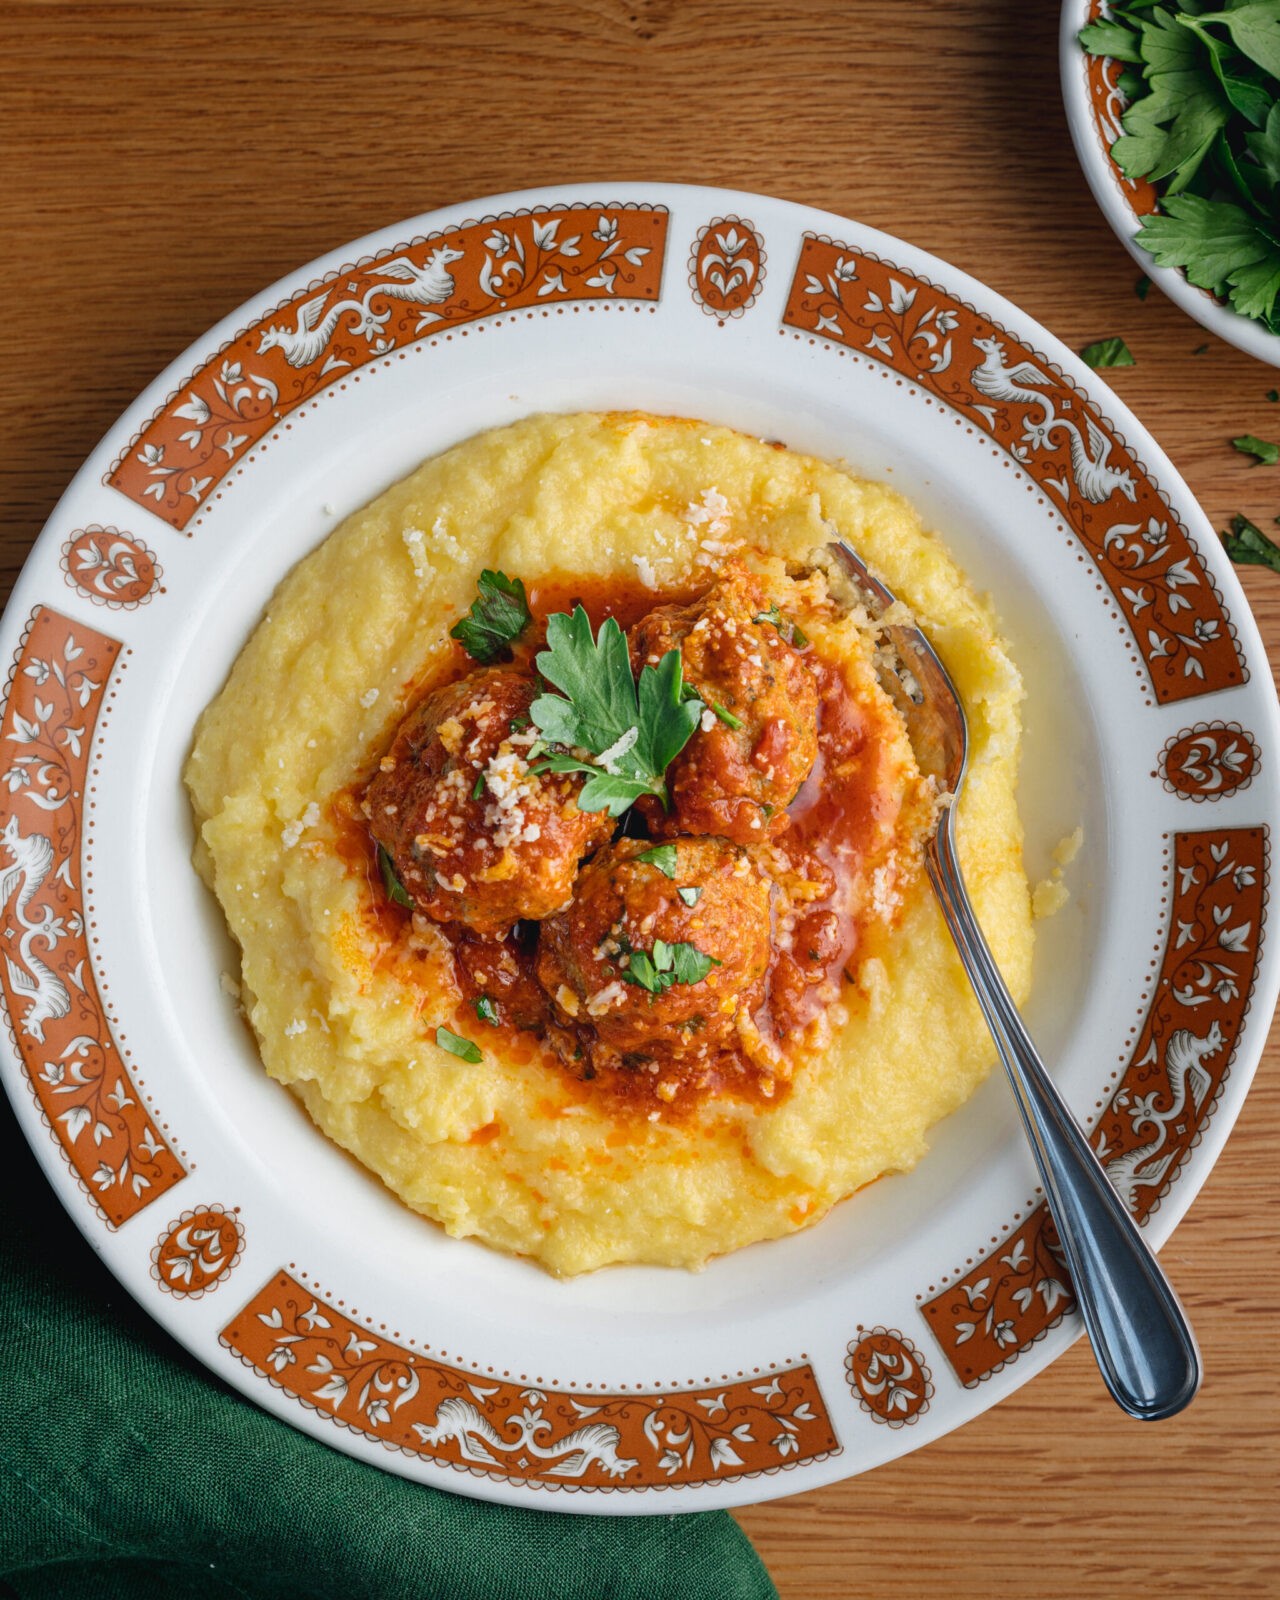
286	1268
1094	107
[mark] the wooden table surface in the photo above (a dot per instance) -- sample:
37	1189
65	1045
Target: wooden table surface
162	162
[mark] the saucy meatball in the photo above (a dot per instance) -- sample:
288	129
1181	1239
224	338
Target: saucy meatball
607	961
739	770
473	834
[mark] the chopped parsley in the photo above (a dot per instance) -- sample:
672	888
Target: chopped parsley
1249	444
1246	544
725	716
690	894
497	618
391	880
486	1010
456	1045
1203	124
790	631
478	789
662	856
634	730
667	965
1108	353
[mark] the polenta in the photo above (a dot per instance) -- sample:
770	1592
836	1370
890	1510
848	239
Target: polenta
700	1025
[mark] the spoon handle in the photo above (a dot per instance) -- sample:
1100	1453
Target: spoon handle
1141	1339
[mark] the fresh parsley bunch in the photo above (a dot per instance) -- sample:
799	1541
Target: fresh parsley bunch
1203	85
634	730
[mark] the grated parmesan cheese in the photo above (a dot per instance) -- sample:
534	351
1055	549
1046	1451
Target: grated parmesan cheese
415	542
509	783
293	832
613	994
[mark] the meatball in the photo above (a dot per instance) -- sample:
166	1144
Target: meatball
474	835
739	771
626	908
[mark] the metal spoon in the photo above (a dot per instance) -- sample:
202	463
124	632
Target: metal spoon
1140	1335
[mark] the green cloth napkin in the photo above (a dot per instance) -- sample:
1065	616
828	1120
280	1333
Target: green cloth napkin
127	1470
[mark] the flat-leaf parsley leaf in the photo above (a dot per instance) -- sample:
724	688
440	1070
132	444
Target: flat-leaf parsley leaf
391	880
667	965
634	730
790	631
1249	444
498	616
456	1045
1246	544
1108	353
662	856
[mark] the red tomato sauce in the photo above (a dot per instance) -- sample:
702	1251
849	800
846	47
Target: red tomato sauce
843	814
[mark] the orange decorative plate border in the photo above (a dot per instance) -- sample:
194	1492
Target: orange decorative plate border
130	1068
523	1430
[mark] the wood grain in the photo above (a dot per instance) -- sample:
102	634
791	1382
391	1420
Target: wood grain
162	162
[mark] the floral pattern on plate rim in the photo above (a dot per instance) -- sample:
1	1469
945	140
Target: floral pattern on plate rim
1014	1294
198	1251
111	568
1107	105
1051	431
375	310
888	1376
1208	762
88	1098
727	267
580	1438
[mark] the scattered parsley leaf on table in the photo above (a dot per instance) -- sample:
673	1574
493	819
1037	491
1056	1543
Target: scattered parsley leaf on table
1108	353
1267	453
634	730
391	880
669	964
497	618
1143	287
456	1045
1246	544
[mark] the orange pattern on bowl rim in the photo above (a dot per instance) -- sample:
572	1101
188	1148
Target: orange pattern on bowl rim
1209	761
1033	413
1107	104
726	267
373	311
888	1376
1013	1295
198	1251
110	568
89	1100
581	1438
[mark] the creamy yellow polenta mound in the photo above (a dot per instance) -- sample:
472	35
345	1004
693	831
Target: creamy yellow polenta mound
514	1153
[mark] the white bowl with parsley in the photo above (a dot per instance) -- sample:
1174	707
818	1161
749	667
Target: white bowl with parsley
1174	110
